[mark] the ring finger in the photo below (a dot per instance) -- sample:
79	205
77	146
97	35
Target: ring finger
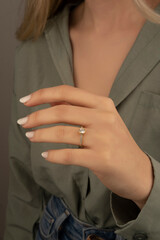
61	134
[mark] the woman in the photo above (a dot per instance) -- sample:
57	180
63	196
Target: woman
97	70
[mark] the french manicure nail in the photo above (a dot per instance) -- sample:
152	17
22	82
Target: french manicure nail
30	134
22	121
25	99
44	154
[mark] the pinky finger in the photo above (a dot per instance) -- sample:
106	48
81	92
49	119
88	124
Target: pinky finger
70	156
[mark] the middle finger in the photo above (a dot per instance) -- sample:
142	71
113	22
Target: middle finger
59	114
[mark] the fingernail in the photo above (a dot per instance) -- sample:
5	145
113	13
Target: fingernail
44	154
30	134
22	120
25	99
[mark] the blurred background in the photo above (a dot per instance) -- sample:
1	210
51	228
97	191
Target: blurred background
11	13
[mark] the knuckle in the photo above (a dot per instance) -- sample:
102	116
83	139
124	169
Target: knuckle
41	92
62	89
107	102
60	132
106	156
68	156
61	111
38	134
107	118
102	101
58	111
111	118
52	155
110	102
36	117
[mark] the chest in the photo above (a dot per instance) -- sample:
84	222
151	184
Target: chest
97	62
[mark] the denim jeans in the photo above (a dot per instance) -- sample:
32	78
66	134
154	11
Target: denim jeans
58	223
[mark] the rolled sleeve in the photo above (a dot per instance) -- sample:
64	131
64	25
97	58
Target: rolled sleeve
134	223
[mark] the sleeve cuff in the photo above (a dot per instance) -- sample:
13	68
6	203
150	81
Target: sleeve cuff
134	223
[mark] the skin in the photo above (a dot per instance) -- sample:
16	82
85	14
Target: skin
127	171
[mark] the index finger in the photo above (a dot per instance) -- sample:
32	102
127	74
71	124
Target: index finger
68	94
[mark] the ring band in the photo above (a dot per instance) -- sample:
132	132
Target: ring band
82	132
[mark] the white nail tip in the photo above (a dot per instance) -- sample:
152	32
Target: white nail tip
25	99
29	134
22	120
44	154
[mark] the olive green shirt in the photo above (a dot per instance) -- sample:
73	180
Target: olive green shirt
45	63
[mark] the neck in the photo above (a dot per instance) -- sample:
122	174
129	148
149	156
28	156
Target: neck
119	14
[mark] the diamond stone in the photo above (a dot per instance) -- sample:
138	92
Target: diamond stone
81	130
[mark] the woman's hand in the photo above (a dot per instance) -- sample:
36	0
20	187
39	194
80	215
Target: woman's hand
109	149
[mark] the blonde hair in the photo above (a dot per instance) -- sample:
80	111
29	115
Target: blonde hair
37	12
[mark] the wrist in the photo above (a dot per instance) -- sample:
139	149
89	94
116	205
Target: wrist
147	183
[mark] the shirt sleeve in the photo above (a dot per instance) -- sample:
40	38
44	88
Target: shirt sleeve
24	195
139	224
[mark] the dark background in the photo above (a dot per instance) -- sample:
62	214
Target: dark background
11	13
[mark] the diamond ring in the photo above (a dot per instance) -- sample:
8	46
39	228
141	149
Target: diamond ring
82	132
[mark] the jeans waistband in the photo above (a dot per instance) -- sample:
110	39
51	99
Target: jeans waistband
57	218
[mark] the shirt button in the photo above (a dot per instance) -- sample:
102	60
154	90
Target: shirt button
140	236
